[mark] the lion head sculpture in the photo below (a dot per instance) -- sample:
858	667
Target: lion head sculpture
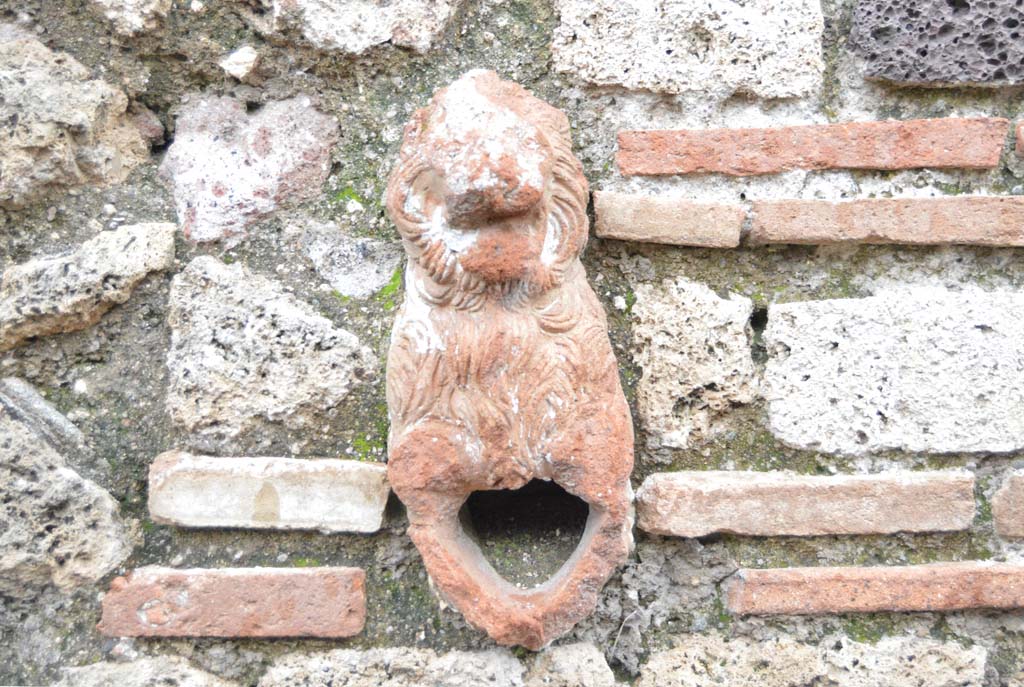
500	369
487	195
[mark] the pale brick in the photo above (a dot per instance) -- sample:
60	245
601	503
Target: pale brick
976	220
696	504
1008	506
924	369
236	602
952	142
659	219
278	493
934	587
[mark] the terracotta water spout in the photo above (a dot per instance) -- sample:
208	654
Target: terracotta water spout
500	369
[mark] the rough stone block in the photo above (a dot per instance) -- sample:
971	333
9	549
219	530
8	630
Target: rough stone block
696	504
58	528
973	220
1008	506
694	350
132	17
274	493
155	671
659	219
71	292
765	48
236	602
933	587
923	369
711	659
228	168
354	266
355	26
245	351
952	42
77	133
974	143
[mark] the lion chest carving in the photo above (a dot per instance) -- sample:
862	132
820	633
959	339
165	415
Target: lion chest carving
500	369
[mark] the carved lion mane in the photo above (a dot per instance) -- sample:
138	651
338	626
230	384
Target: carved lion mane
484	218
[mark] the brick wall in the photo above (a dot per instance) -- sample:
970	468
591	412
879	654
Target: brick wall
806	244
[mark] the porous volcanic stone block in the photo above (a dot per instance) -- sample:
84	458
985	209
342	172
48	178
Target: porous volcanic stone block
696	504
933	587
236	602
766	48
659	219
940	42
277	493
970	220
921	369
939	143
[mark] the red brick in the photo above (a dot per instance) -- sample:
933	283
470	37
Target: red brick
1020	138
935	587
236	602
972	143
696	504
661	219
1008	506
974	220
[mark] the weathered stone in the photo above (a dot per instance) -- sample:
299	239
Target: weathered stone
355	26
1008	506
500	369
71	292
243	350
131	17
950	142
933	587
395	667
919	370
696	504
765	48
277	493
975	220
661	219
940	43
241	62
694	350
228	168
700	660
59	127
355	267
25	405
156	671
571	665
236	602
59	528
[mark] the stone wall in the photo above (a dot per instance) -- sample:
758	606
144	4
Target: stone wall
816	312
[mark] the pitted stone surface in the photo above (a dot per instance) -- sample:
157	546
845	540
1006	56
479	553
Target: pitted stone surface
766	48
228	168
158	671
131	17
922	370
694	350
571	665
71	292
243	351
710	659
58	528
59	127
354	266
943	42
355	26
398	667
